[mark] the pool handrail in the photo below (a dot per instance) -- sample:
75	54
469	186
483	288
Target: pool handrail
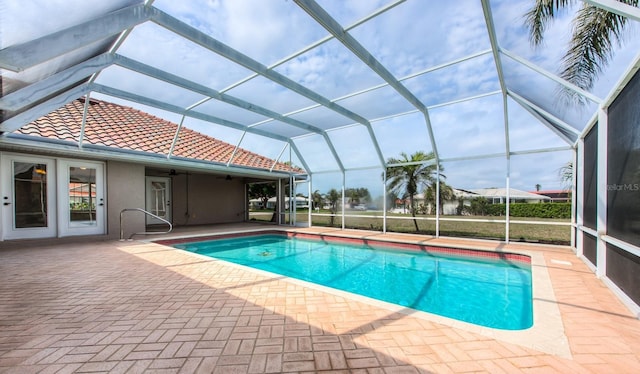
144	232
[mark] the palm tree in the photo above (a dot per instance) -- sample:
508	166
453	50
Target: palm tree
566	176
591	46
316	198
446	194
333	196
415	171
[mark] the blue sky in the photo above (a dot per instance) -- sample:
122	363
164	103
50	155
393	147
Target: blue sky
412	37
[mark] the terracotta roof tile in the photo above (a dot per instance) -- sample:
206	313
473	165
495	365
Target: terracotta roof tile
123	127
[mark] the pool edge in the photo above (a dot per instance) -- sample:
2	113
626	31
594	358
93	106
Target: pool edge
546	335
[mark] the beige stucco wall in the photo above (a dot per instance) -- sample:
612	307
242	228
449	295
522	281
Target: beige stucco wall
125	189
207	199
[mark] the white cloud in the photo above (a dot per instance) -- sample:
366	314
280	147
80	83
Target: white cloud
413	36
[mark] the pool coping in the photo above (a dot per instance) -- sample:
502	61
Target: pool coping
546	335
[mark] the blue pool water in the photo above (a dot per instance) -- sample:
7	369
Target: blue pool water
487	292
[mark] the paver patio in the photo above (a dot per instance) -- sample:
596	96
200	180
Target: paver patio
110	306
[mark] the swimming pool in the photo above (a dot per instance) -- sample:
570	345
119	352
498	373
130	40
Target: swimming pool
488	289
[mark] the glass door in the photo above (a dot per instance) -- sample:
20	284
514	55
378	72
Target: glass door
28	197
158	199
82	199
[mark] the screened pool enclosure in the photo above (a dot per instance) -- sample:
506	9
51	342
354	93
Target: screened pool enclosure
347	92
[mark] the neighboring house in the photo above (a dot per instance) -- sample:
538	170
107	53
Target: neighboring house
60	178
449	207
499	195
493	195
557	196
301	202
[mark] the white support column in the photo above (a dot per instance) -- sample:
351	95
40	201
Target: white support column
601	218
384	201
279	199
309	200
579	172
437	199
344	177
508	183
292	201
574	181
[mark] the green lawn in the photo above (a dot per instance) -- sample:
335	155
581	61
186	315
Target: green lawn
466	227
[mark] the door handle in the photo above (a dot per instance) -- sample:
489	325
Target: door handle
6	204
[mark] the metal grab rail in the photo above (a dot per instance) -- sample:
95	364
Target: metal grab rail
144	232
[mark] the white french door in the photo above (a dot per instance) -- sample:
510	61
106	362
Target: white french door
158	199
45	198
82	209
28	197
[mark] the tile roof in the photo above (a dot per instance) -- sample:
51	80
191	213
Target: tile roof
118	126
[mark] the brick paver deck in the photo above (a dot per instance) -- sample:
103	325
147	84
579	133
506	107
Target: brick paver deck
128	307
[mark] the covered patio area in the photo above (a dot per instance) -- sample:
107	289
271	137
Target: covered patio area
138	306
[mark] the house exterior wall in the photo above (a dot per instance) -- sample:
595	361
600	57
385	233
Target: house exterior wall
200	199
125	189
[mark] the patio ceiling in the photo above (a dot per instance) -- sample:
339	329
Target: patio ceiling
342	85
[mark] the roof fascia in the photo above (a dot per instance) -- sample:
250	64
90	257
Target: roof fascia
25	55
325	20
54	83
44	108
214	45
535	111
552	76
28	143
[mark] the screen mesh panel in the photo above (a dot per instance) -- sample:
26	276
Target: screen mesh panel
590	177
623	268
623	165
589	248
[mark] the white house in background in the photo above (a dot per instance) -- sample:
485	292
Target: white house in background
499	196
493	195
301	202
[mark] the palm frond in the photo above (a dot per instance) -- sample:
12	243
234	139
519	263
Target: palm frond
591	47
537	18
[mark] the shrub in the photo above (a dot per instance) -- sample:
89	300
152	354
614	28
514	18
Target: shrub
533	210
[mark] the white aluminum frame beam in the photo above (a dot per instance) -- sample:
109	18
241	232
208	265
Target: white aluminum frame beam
529	106
325	20
617	7
315	44
54	83
25	55
32	114
126	95
552	76
175	80
196	36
